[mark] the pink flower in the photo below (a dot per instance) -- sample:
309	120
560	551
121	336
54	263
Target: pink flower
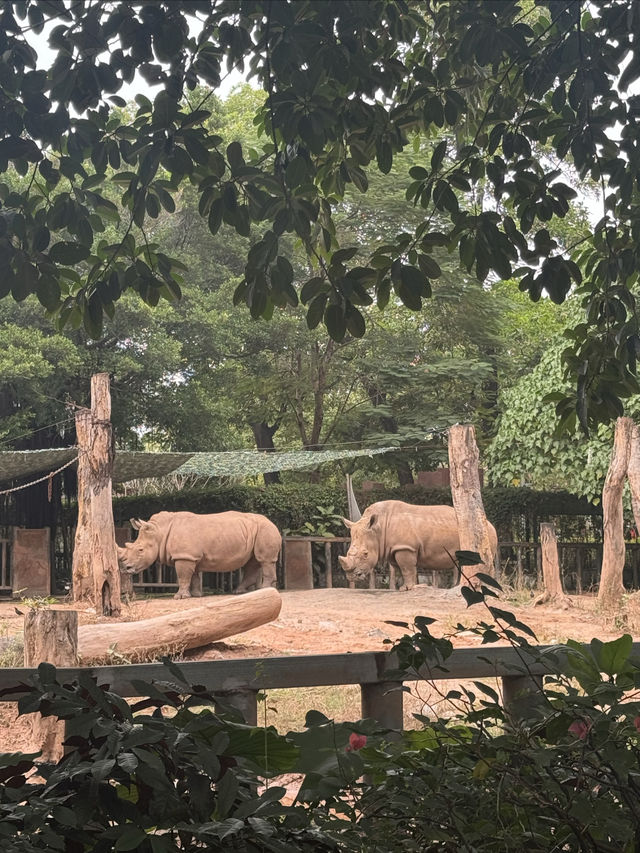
636	723
356	742
580	729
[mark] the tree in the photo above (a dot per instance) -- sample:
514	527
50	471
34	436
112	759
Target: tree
349	85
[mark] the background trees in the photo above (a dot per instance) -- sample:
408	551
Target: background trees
491	100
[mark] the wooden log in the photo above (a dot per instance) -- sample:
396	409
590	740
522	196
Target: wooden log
213	619
464	472
613	549
553	591
95	570
50	636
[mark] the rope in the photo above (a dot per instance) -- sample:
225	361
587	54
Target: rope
49	476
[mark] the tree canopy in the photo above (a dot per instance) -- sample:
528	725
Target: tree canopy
496	101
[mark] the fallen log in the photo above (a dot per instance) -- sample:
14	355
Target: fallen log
213	619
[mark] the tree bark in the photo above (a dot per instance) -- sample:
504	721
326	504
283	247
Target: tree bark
553	592
613	549
633	473
50	636
473	527
263	435
96	575
214	619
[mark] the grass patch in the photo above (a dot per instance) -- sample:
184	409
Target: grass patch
12	652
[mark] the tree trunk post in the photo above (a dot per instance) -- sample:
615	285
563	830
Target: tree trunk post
633	473
473	527
96	575
50	636
613	550
552	580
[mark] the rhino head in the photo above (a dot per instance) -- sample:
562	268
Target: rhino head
139	555
363	554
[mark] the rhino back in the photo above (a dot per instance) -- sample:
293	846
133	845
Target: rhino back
222	541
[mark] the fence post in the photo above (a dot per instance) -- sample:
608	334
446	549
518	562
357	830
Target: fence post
382	701
243	700
50	636
521	694
328	566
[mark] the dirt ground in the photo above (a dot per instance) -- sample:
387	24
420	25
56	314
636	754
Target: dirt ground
342	620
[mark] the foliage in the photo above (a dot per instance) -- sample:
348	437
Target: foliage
525	88
324	522
180	778
555	767
529	449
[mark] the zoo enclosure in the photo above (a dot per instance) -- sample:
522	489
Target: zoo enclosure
519	563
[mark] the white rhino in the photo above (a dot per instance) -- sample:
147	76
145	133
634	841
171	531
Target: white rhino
220	542
406	536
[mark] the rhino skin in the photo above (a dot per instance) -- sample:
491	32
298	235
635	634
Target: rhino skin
407	536
219	542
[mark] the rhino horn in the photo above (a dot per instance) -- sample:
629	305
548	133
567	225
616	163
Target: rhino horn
348	523
343	561
122	553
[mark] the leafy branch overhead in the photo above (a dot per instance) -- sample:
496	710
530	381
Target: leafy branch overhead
497	98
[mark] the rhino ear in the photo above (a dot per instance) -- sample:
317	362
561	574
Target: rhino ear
348	523
135	523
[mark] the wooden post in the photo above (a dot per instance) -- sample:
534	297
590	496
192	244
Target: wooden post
613	551
473	527
244	701
96	575
50	636
522	695
579	565
553	591
382	701
328	566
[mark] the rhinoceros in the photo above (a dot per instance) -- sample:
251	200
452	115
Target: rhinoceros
407	536
220	542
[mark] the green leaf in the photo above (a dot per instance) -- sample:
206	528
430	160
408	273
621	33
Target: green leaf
68	253
131	838
335	321
613	657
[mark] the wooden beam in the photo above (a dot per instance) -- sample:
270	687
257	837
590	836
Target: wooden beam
302	670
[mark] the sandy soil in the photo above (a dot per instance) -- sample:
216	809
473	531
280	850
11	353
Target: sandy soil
339	620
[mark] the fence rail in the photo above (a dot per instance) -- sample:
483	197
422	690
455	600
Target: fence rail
239	681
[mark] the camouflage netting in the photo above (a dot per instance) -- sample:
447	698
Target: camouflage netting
132	465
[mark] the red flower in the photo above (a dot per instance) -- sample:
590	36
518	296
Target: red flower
580	729
356	742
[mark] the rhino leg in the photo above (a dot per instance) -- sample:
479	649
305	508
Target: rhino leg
407	563
184	571
195	587
249	577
